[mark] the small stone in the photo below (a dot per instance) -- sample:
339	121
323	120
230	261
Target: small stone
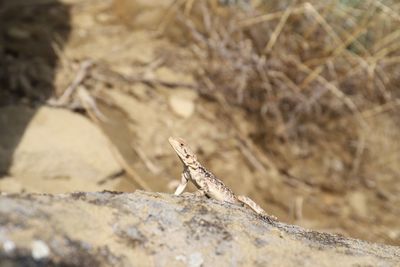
103	17
394	234
358	204
180	258
182	106
337	165
40	250
195	260
8	246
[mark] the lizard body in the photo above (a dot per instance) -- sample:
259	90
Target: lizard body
207	183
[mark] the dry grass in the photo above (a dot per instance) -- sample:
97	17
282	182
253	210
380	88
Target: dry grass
297	62
297	59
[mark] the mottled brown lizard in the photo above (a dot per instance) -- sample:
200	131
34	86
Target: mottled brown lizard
206	182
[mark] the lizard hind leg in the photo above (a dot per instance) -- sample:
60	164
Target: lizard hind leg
200	193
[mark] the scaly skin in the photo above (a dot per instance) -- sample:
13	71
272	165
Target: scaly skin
207	183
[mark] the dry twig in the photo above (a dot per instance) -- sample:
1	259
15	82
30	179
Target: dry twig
118	156
79	78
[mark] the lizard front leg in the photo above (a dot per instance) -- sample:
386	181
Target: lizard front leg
184	180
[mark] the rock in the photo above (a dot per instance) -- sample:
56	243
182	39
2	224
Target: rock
181	105
358	203
154	229
141	13
39	250
56	147
11	185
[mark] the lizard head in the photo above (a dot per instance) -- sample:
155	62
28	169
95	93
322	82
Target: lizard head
185	154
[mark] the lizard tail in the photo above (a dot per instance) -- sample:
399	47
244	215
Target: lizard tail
249	202
254	206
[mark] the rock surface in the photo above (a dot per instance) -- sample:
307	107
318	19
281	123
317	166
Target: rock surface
58	150
154	229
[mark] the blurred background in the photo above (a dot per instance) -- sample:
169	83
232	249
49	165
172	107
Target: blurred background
293	103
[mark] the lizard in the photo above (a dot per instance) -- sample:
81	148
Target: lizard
205	181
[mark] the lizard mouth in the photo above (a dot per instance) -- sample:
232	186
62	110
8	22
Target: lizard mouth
172	142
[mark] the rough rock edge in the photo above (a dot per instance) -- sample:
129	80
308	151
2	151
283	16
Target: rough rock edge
198	218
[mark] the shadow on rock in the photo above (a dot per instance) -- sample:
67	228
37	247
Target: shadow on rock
31	33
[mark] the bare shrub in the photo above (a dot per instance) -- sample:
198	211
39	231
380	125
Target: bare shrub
296	60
